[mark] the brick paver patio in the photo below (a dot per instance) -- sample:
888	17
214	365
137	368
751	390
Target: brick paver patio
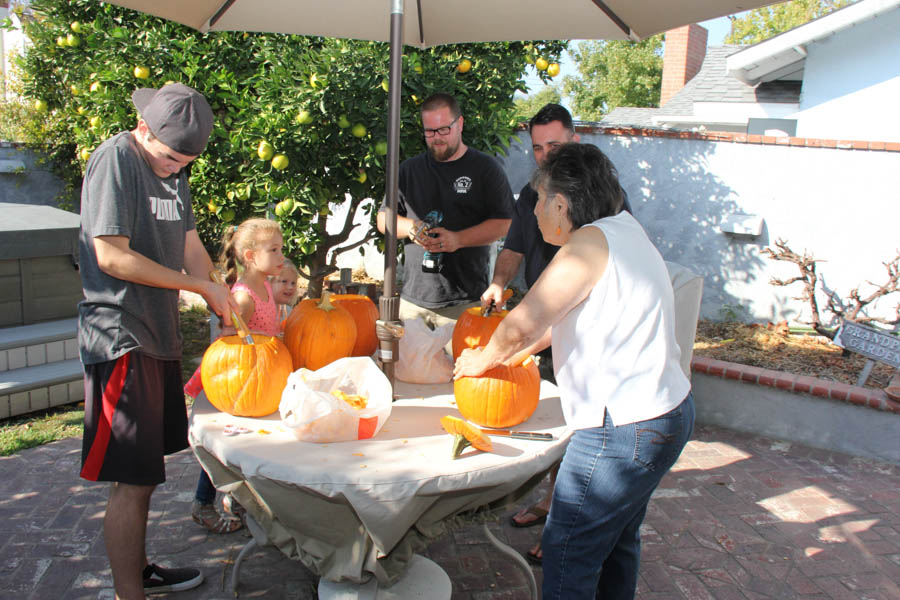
740	517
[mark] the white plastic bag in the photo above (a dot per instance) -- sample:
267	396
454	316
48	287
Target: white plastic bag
310	409
422	355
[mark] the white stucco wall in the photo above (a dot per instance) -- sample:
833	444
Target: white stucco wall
10	42
851	83
843	206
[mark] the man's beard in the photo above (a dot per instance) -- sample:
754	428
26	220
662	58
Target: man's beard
442	153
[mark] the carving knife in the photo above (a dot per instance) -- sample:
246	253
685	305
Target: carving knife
236	319
487	310
522	435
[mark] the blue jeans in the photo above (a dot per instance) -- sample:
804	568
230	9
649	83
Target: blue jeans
206	492
591	542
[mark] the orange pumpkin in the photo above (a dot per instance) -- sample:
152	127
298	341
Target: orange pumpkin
500	397
318	333
246	380
473	330
364	314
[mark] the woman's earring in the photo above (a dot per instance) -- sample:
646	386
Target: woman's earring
558	230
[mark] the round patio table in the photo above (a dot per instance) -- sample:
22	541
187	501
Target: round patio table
357	511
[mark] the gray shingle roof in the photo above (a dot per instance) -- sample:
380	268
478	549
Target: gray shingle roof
711	84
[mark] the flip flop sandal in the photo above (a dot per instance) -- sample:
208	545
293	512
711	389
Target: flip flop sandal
233	508
535	510
534	558
207	517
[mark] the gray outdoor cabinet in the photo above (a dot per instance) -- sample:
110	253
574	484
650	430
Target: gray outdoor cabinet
39	278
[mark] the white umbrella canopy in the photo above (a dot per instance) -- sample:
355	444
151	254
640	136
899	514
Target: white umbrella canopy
434	22
426	23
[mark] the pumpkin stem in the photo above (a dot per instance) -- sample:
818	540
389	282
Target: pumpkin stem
325	302
460	443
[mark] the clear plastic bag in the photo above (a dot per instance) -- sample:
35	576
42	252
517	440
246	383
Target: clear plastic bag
312	407
422	355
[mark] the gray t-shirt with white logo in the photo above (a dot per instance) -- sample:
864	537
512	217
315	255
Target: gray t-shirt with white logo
121	196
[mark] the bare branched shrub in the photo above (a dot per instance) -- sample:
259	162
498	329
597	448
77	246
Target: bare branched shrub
852	308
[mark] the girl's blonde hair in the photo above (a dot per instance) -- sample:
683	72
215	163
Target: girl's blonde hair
241	238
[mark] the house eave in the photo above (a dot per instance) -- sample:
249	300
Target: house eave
785	54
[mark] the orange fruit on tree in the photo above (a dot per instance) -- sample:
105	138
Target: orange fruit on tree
265	151
541	64
553	69
280	162
464	66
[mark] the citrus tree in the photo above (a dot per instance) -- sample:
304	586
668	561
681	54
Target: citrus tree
301	122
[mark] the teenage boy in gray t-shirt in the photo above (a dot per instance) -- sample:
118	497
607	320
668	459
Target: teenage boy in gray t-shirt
139	246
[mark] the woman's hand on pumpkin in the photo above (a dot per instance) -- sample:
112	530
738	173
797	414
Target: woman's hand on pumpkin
470	363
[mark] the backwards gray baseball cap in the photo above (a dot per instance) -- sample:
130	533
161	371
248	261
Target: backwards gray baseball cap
178	115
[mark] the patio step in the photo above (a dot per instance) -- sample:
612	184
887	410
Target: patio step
39	367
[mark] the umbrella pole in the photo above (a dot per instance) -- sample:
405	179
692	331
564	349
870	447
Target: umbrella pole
389	328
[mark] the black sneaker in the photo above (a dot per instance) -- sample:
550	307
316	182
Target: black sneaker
158	580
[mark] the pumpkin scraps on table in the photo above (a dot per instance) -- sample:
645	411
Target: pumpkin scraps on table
355	400
465	435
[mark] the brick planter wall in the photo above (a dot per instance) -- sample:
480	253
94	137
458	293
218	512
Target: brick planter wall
860	396
796	408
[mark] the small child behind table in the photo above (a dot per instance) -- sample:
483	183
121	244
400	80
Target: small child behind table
251	255
285	290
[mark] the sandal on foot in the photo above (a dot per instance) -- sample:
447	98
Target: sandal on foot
535	558
233	508
207	517
539	513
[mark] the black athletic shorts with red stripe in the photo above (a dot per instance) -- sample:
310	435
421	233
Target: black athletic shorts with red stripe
134	415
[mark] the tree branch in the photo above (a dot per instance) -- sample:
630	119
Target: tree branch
853	309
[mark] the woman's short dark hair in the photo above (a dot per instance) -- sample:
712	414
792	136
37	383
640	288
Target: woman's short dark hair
587	179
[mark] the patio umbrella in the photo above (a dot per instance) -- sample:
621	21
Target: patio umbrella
430	23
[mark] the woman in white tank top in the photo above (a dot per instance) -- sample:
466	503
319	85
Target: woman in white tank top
606	302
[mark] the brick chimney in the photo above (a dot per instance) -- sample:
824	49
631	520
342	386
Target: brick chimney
683	55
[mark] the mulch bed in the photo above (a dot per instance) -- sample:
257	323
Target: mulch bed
774	347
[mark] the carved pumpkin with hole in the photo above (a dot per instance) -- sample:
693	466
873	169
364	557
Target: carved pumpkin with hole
246	380
364	313
473	330
500	397
318	333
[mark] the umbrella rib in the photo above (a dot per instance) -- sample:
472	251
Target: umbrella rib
421	25
615	18
221	12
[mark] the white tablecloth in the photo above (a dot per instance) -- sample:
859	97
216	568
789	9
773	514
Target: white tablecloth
351	510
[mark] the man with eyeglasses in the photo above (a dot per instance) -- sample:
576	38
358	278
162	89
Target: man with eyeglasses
470	191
